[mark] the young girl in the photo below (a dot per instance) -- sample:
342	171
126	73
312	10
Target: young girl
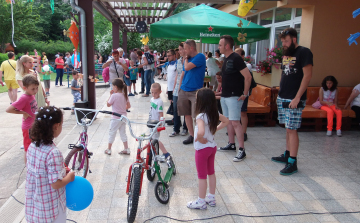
45	196
328	97
207	120
120	103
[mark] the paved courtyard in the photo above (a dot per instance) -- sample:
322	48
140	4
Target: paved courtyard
328	179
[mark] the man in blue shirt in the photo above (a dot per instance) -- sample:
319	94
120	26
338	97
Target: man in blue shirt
192	80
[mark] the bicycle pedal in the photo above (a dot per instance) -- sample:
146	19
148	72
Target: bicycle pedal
71	146
90	171
90	153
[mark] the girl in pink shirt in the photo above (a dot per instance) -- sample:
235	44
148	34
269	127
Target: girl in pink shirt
120	103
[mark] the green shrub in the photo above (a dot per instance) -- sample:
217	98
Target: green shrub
50	48
3	57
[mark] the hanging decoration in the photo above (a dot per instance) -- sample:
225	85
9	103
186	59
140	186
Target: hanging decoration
52	6
145	40
75	59
73	34
245	6
12	21
353	37
242	36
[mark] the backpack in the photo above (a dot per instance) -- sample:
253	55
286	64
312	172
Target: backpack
253	83
150	58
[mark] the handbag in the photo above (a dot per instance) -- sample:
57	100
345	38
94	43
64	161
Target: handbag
170	110
317	104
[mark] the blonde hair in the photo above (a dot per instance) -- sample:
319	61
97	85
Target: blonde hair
20	66
156	86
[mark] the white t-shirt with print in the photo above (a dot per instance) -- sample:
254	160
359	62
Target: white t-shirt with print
208	135
356	100
171	74
156	106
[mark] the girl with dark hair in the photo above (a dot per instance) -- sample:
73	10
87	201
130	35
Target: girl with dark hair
328	97
207	119
45	194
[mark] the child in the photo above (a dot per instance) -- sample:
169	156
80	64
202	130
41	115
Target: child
157	112
207	119
46	71
27	106
120	103
75	88
45	193
133	76
328	97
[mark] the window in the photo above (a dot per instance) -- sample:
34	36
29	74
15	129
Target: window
298	12
262	46
277	41
252	51
266	18
297	27
282	14
253	19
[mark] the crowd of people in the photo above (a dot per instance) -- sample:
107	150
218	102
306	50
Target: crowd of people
205	110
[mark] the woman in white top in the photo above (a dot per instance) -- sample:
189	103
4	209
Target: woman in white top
213	68
219	58
116	65
23	67
354	102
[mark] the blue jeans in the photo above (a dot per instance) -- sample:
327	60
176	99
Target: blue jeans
59	75
147	76
152	76
142	81
177	119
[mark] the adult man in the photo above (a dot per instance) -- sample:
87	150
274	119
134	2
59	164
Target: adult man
192	79
133	55
297	71
236	80
68	62
244	117
147	71
9	68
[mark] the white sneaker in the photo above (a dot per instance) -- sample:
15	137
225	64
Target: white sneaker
108	151
125	152
338	133
210	201
196	205
329	133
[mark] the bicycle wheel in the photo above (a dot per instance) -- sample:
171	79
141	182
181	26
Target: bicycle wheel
74	166
161	195
150	173
134	193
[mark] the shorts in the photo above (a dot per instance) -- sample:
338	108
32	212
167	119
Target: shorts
186	103
127	81
156	135
291	117
133	81
77	96
26	137
231	108
205	162
11	84
170	95
212	80
245	105
47	83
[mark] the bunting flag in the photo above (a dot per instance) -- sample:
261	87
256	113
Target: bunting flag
74	34
75	62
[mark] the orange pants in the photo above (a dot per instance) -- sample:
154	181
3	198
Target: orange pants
330	110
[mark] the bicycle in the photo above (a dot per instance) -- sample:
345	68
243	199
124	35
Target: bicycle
77	159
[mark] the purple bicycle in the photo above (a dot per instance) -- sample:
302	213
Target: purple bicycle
77	159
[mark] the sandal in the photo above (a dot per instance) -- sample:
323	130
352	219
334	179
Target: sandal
108	151
125	152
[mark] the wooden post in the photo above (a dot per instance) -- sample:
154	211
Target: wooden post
124	45
115	35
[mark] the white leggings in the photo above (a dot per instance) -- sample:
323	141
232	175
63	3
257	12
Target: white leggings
61	218
115	125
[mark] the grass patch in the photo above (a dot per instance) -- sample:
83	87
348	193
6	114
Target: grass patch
3	89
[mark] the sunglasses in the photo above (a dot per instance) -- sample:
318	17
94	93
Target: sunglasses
285	32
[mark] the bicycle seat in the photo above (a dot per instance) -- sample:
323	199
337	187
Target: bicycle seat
152	123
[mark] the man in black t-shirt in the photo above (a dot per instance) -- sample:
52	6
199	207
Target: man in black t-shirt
296	74
236	80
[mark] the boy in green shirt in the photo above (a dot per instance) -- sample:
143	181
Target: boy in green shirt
46	70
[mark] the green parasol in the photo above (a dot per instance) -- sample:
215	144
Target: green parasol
207	24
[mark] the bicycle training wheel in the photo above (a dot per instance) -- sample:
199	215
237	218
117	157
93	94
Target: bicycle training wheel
161	195
134	193
78	155
150	173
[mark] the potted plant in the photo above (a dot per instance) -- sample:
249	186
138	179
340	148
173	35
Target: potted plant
264	66
248	59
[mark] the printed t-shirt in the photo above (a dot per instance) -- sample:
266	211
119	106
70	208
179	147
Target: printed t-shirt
133	73
118	102
208	135
194	78
9	70
292	72
156	106
28	104
46	76
232	79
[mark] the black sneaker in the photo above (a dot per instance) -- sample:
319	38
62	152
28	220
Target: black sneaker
290	168
169	122
240	156
280	159
245	137
135	93
229	146
141	92
189	140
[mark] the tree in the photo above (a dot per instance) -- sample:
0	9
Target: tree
25	21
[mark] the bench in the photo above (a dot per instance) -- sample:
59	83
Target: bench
259	110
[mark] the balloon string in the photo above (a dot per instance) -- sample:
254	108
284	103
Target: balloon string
12	19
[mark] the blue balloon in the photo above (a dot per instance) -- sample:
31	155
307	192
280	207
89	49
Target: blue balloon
79	194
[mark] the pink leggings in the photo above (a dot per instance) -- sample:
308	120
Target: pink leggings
205	161
330	116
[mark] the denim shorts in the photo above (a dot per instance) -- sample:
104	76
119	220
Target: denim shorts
291	117
127	81
231	108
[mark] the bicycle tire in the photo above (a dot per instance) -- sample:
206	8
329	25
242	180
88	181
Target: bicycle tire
162	197
69	162
151	172
134	193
